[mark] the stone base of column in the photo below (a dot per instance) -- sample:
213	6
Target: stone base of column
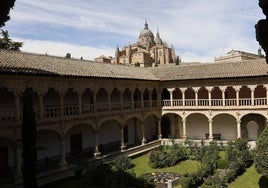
97	154
184	137
123	148
143	142
160	136
210	138
63	164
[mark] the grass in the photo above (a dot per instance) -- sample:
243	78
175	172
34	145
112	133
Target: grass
248	179
142	166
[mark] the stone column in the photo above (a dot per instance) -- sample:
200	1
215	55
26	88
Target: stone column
196	89
183	95
94	93
223	89
109	99
132	99
41	105
143	142
61	104
159	129
123	147
62	150
121	100
79	103
266	87
184	136
170	90
159	102
142	99
209	95
238	126
150	99
210	121
237	89
17	159
252	89
96	143
17	106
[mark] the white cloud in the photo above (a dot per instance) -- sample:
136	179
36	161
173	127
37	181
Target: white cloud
199	30
61	49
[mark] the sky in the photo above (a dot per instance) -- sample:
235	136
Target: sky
200	30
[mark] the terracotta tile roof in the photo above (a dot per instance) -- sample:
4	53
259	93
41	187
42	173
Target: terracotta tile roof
212	70
27	63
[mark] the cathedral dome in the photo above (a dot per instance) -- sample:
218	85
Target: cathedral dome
146	32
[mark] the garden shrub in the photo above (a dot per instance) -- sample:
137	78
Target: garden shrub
122	162
167	156
222	163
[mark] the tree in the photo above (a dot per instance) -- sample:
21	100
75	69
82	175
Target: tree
5	6
28	132
261	155
8	44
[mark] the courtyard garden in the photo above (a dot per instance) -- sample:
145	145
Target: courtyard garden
188	165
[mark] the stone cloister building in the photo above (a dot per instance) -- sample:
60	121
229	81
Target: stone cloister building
94	108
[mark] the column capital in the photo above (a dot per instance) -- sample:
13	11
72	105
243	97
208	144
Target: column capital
183	89
170	90
196	89
237	88
265	86
210	120
252	87
16	91
209	88
223	88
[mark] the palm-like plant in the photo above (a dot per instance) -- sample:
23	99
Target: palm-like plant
8	44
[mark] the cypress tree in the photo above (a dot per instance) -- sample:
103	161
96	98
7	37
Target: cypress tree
261	155
29	141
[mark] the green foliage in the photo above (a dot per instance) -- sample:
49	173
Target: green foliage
222	163
167	156
5	6
261	153
7	44
122	162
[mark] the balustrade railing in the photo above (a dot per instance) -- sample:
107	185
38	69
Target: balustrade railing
71	110
230	102
215	102
260	101
52	111
7	116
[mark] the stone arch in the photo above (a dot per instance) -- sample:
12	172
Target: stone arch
197	126
248	120
165	94
170	125
224	125
151	127
79	139
134	133
47	143
109	135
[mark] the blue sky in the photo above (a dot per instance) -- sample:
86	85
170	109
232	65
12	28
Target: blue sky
200	30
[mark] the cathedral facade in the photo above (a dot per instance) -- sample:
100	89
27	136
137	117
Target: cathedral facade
148	51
